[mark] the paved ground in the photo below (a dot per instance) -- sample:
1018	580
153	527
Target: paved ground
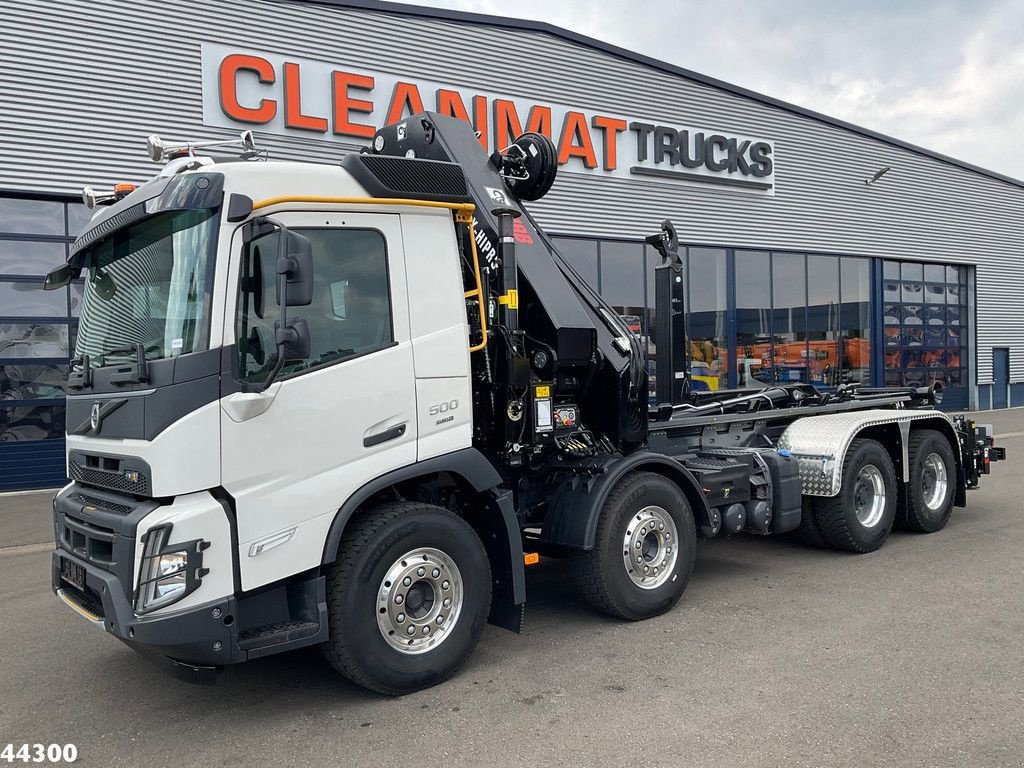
779	655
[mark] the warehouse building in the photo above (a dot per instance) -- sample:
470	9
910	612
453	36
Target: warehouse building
815	250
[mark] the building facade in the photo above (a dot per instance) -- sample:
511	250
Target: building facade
815	250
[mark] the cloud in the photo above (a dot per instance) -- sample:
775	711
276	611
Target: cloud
948	76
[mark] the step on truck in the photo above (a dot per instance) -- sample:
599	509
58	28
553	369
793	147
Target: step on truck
346	404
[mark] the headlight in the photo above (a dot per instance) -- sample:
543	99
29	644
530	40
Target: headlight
168	573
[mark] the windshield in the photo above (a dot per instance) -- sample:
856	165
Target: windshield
149	284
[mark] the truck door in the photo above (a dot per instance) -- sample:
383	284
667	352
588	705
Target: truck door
292	454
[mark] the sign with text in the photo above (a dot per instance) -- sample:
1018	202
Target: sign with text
288	95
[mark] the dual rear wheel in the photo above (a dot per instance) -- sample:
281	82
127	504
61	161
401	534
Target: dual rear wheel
861	516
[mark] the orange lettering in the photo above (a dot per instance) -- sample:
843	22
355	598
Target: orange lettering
293	117
480	119
228	76
344	104
405	95
450	103
611	129
575	140
508	128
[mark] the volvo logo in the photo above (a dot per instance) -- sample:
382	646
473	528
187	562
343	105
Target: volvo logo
94	418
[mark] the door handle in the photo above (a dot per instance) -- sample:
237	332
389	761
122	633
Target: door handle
382	437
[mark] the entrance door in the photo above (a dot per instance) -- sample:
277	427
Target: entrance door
343	416
1000	377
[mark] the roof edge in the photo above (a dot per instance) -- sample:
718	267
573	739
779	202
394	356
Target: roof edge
529	25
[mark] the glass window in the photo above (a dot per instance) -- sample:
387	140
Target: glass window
78	217
855	320
622	282
934	273
582	255
912	271
709	346
21	340
21	257
789	317
77	289
753	318
823	320
32	382
28	299
23	423
149	284
351	310
31	217
622	276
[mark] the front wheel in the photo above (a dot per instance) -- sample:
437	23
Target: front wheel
407	598
644	549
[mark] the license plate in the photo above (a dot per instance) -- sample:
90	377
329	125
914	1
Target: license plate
72	573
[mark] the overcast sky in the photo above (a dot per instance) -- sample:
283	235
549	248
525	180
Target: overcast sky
948	76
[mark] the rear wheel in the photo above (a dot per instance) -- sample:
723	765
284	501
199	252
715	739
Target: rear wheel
932	479
408	597
860	517
644	549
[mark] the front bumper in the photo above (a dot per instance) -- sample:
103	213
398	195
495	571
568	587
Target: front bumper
97	531
93	572
193	639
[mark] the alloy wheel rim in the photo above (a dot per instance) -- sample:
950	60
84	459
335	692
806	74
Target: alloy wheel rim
419	600
934	481
869	496
650	547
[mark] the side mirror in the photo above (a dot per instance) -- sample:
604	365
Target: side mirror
295	261
293	341
59	277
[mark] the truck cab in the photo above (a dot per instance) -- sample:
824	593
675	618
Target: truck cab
179	443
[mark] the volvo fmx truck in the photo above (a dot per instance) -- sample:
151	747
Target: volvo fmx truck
346	405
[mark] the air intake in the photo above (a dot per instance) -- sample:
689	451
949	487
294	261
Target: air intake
407	177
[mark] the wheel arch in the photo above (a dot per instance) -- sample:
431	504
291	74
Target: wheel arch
573	512
494	520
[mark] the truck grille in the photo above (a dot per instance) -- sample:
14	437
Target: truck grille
89	541
134	482
104	504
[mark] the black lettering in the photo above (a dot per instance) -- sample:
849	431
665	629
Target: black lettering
666	144
714	164
642	130
738	157
760	154
697	160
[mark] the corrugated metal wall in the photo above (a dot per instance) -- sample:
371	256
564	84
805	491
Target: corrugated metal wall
82	84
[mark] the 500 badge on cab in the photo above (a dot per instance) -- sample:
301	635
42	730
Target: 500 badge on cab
439	409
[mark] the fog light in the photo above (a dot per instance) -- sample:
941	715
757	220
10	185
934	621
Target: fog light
168	572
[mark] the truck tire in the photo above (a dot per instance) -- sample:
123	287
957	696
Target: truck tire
405	566
808	532
644	549
860	517
932	480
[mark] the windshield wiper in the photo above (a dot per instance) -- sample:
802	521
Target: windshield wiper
130	349
141	371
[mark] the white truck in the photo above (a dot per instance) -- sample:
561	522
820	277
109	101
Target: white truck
346	405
